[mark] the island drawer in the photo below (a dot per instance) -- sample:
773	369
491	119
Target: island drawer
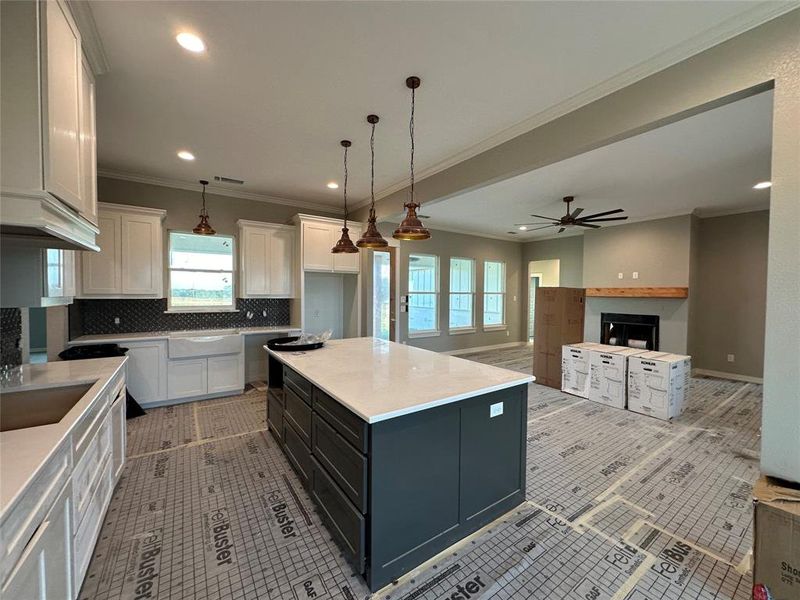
275	416
343	519
301	385
298	453
299	414
351	427
346	465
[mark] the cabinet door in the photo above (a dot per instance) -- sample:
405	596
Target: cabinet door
62	110
147	377
101	271
69	273
317	243
225	373
142	271
118	436
281	263
348	263
54	273
88	144
187	378
45	568
255	253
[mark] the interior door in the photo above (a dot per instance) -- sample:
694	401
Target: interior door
384	289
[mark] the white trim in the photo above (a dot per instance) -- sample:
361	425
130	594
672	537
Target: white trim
461	330
265	225
129	208
724	375
91	41
170	402
424	334
216	190
502	327
760	13
483	348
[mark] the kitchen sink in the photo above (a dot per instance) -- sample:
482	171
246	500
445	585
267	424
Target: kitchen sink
205	343
32	408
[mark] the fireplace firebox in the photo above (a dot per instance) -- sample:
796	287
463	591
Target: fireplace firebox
636	331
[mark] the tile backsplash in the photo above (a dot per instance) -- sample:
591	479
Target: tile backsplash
92	317
10	336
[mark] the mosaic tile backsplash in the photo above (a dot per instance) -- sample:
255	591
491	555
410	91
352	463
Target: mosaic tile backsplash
92	317
10	336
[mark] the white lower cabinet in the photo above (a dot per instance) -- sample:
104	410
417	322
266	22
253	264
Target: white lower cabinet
187	377
118	436
44	571
225	373
147	370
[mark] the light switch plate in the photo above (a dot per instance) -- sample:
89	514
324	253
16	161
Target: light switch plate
619	276
495	410
636	274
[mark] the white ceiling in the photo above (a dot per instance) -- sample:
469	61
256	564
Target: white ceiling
283	82
707	163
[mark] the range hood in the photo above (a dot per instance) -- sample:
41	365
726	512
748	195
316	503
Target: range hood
39	220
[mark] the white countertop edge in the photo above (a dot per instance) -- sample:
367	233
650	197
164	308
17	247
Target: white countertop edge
99	387
523	379
145	336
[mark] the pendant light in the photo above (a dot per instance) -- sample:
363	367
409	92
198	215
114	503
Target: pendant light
412	228
372	238
204	227
345	244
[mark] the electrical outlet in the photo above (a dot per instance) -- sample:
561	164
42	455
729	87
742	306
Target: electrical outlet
620	275
731	358
515	298
636	274
495	410
508	333
116	320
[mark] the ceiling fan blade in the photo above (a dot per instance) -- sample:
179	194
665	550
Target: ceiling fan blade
605	219
538	228
603	214
582	224
562	229
543	217
576	212
536	223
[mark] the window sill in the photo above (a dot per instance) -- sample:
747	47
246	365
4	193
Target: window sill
424	334
200	310
462	330
495	327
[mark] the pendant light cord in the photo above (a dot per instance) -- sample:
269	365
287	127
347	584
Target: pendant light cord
411	132
372	171
345	187
203	194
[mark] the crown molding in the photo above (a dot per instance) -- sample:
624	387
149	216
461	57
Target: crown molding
90	38
217	190
710	213
760	13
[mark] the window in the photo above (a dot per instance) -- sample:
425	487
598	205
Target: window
200	272
423	294
462	293
494	294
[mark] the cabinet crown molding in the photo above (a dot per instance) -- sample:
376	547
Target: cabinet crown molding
265	225
302	218
142	210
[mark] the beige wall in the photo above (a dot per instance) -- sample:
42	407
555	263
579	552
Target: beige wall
729	296
568	250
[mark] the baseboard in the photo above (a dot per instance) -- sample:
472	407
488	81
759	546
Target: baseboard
159	403
483	348
724	375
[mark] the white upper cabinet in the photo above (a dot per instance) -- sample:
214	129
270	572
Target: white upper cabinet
131	258
266	260
47	142
319	236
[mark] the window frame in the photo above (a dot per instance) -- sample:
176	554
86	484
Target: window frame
464	328
210	308
420	333
503	325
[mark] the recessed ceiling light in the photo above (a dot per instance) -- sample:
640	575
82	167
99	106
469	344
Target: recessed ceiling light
191	42
523	228
185	155
333	185
762	185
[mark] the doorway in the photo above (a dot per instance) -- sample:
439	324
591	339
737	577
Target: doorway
384	286
541	273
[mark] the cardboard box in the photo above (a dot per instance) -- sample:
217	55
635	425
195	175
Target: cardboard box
558	321
658	383
575	368
608	375
776	543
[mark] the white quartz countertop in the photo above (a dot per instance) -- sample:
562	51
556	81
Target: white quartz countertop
379	380
144	336
24	451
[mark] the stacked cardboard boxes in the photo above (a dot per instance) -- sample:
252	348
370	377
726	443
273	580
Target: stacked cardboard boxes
658	383
558	321
776	544
608	374
575	368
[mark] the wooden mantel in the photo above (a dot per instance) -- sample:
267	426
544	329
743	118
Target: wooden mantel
639	292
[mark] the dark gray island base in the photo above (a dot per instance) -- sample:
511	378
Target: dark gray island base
396	492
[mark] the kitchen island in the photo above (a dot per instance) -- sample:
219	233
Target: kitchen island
404	451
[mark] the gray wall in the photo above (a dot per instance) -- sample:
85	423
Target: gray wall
569	251
729	296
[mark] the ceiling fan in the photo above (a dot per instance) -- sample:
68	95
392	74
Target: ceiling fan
571	219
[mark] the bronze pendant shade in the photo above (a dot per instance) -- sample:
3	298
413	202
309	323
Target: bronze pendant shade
345	244
411	227
372	238
204	227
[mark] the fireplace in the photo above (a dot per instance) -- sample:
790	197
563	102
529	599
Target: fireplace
637	331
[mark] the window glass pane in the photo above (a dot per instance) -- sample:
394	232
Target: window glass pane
200	289
461	275
208	252
423	300
494	278
460	310
493	309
